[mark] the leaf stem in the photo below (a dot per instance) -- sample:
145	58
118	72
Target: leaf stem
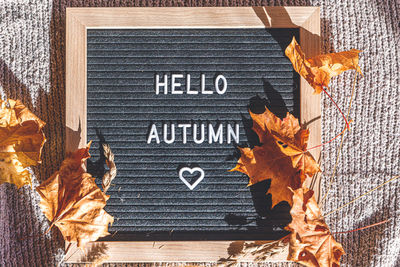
357	198
48	230
341	112
337	106
308	149
66	252
68	248
363	228
341	143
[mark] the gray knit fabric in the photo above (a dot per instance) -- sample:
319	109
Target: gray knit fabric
32	43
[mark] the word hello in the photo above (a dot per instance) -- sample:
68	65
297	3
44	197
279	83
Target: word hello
199	134
220	85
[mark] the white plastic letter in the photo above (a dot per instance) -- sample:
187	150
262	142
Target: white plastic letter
201	140
203	86
184	131
161	84
188	91
175	84
170	141
233	134
224	83
215	137
153	134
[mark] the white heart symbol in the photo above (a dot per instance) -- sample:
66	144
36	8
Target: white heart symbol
191	170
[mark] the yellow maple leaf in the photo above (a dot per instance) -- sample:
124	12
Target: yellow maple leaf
311	242
282	157
73	202
21	142
319	70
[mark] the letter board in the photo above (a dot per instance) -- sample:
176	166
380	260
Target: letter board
171	97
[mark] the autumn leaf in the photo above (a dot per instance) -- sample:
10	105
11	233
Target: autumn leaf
311	243
282	157
73	202
319	70
266	162
21	142
109	176
289	136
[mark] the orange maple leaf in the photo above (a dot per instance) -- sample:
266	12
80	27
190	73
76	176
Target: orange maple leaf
289	136
73	202
21	142
311	243
319	70
282	157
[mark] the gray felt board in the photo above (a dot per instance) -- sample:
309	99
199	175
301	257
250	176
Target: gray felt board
148	199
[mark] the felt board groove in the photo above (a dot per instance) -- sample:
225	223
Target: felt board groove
147	198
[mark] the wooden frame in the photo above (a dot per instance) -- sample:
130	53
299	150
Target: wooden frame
80	19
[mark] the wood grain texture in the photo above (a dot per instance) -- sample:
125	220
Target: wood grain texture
310	104
166	251
192	17
79	19
75	78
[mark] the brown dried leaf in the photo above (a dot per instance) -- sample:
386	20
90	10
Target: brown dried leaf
21	142
109	176
73	202
267	162
319	70
282	157
311	243
290	137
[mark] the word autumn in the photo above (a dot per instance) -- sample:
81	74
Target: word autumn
214	134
